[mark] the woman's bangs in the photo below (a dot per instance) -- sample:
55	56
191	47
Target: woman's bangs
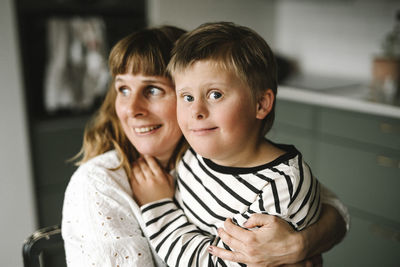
135	63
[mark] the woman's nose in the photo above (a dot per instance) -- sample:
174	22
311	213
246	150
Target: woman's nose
137	106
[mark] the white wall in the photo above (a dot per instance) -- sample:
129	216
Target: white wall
16	196
329	37
336	38
188	14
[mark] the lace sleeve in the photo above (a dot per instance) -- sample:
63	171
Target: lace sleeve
99	225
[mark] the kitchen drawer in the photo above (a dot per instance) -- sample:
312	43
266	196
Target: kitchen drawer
294	114
368	243
361	178
360	127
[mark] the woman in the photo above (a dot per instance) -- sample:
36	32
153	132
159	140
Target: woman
101	222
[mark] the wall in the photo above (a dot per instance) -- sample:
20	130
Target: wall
336	38
188	14
16	191
329	37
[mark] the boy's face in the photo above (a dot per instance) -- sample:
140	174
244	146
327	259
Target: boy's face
217	113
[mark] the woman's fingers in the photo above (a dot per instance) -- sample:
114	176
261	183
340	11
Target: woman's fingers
230	240
226	254
258	220
233	229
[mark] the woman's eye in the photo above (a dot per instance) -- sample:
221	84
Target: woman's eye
124	91
188	98
215	95
154	91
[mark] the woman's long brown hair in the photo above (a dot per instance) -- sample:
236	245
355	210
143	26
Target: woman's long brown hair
146	52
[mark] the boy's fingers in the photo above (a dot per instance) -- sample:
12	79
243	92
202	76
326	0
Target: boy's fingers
137	173
146	170
171	179
154	166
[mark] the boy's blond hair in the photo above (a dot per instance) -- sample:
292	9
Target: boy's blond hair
146	52
233	48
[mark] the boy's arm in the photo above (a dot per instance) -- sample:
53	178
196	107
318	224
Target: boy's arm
177	241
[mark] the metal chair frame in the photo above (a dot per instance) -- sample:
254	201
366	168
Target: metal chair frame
40	240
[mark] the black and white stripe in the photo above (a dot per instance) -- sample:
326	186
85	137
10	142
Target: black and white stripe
208	193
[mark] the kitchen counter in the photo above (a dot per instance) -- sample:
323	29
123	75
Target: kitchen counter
353	98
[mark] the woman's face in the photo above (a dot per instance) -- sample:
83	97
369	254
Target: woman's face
146	107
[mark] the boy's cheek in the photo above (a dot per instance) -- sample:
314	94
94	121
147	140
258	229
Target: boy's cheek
181	119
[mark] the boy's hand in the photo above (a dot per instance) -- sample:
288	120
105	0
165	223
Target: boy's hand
149	181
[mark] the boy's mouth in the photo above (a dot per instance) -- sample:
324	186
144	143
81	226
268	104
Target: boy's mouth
203	130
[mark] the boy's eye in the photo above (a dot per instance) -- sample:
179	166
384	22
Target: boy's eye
188	98
215	95
154	91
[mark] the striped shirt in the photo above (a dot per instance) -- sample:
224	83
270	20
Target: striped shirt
181	229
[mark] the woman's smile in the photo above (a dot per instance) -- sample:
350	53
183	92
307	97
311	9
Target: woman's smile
146	129
146	108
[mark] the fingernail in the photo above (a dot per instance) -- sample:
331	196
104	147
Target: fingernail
210	249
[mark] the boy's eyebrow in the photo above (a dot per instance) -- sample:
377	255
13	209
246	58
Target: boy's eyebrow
209	84
181	89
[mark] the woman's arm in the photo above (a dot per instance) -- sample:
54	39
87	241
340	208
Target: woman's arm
275	242
99	225
179	242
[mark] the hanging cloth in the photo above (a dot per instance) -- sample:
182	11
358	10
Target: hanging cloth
76	72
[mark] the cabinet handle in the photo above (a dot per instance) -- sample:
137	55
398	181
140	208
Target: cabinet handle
389	128
384	161
385	232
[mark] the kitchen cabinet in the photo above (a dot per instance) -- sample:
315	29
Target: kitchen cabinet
357	155
56	136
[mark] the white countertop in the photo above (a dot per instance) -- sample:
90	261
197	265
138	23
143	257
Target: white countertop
352	99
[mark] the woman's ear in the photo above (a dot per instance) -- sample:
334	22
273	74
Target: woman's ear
265	103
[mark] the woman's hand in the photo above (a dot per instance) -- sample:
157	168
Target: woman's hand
276	243
149	181
272	244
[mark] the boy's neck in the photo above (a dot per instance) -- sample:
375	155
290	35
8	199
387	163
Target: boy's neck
256	154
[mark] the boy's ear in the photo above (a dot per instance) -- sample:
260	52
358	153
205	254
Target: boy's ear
264	104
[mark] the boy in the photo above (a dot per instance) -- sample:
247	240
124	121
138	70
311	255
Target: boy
225	78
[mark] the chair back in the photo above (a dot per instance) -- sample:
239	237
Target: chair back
42	243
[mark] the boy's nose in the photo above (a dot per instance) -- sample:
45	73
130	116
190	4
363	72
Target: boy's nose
198	110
